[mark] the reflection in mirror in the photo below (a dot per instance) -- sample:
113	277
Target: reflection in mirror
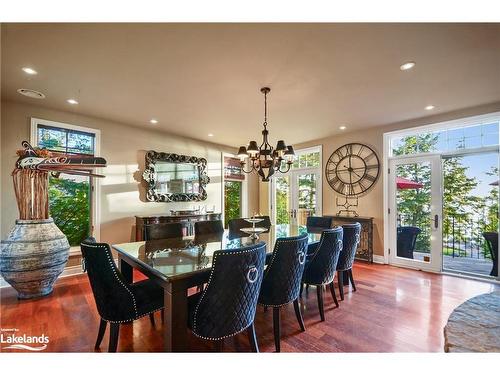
177	178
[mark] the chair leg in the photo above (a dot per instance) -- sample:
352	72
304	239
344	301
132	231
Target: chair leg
307	287
152	319
219	345
301	288
334	296
113	337
100	335
340	280
265	309
277	328
351	279
298	314
162	313
319	290
252	337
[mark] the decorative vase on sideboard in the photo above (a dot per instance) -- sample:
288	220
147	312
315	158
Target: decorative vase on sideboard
33	256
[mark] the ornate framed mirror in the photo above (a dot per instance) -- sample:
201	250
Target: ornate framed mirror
175	178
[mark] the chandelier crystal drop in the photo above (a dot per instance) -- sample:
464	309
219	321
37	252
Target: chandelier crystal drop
264	159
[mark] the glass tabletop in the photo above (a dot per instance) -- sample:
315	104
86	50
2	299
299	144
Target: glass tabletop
177	257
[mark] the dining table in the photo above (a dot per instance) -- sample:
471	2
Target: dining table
178	264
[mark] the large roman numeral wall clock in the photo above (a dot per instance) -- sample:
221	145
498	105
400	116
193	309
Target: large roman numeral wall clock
352	169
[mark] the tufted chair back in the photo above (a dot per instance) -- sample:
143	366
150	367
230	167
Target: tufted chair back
228	304
113	297
315	223
352	233
162	231
321	268
208	227
282	278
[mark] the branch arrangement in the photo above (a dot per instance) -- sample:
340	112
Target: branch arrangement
31	177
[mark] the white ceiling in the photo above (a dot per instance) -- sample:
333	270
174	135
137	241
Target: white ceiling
205	78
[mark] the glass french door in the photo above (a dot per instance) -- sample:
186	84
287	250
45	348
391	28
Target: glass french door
415	210
295	196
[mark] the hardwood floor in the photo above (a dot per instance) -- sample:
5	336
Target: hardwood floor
393	310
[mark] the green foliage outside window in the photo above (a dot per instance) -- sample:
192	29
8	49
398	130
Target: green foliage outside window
69	206
282	194
232	206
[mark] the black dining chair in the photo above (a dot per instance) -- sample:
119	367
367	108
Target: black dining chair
208	227
162	231
227	305
282	279
316	224
321	266
406	241
492	244
117	301
352	235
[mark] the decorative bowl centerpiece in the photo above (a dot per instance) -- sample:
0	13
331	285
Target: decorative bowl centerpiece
254	231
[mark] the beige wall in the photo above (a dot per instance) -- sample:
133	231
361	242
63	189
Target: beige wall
372	203
123	146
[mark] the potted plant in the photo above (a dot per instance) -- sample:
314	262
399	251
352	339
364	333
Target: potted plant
36	251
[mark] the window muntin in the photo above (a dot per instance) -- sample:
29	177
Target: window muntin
460	138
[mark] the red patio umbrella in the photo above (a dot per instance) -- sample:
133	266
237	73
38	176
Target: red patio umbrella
403	183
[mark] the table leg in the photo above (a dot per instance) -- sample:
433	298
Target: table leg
126	270
175	334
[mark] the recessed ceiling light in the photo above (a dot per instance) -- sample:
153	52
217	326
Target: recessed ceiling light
72	101
407	65
343	127
31	93
430	107
210	135
153	121
29	71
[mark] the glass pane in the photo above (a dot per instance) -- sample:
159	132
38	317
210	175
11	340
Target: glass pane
282	200
69	204
232	200
307	188
52	139
413	210
80	143
470	212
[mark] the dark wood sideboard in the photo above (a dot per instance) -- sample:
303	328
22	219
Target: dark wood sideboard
365	247
186	220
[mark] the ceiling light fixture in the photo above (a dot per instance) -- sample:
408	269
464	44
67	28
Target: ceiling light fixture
407	65
210	135
265	159
72	101
343	127
153	121
430	107
30	71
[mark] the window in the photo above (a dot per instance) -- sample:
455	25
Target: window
233	189
71	198
459	138
307	159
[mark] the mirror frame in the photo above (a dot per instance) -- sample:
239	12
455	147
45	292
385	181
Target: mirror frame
149	175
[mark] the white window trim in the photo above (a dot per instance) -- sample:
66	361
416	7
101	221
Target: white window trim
96	219
444	125
244	190
272	183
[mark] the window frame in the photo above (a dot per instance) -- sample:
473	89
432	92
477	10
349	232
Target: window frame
95	186
244	189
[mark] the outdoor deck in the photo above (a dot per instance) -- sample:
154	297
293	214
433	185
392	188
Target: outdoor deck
479	266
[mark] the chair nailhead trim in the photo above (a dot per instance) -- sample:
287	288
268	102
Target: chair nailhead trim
206	289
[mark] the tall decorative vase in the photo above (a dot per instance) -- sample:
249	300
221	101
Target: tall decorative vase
33	256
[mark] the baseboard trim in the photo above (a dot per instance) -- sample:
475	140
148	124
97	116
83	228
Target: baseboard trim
68	271
378	259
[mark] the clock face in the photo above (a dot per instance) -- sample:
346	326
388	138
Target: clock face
352	169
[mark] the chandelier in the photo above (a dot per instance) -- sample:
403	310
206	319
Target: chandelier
265	159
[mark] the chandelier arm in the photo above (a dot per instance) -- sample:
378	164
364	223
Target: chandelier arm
243	167
289	165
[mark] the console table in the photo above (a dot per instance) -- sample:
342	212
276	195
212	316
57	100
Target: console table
186	220
365	247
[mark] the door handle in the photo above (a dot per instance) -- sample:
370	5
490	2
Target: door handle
436	221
